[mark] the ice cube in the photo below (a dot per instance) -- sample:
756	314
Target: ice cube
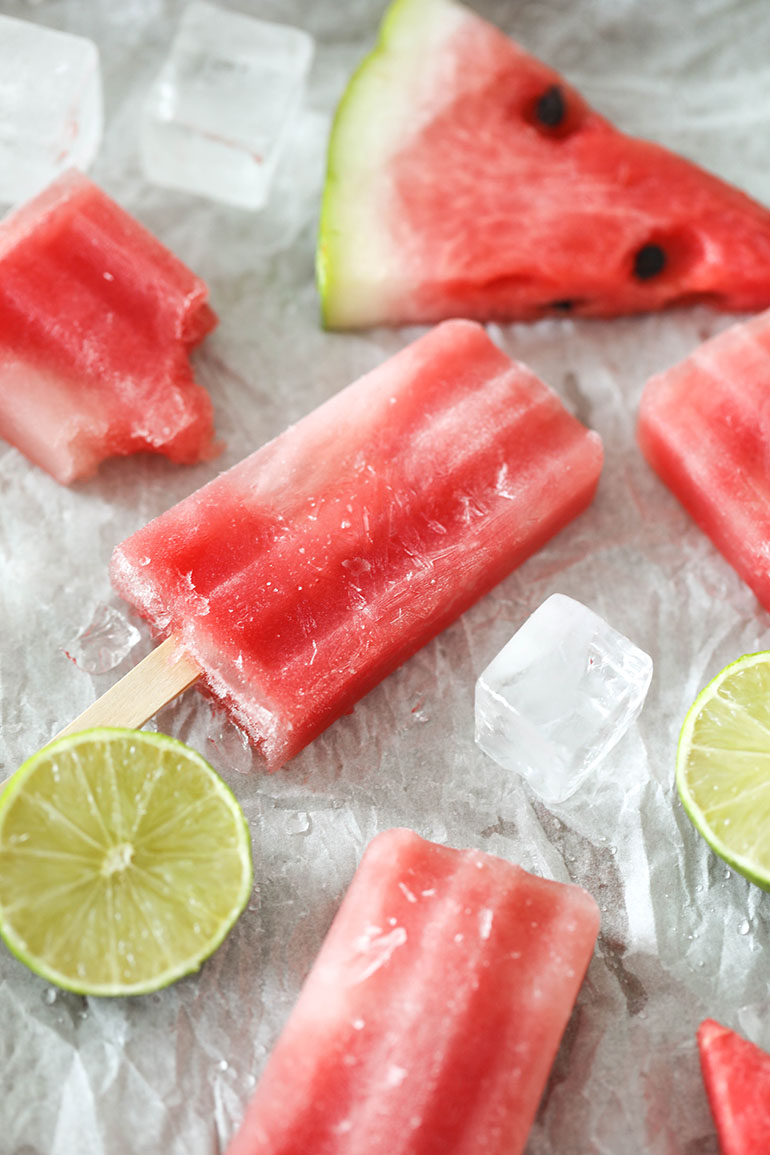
50	106
219	111
559	696
103	644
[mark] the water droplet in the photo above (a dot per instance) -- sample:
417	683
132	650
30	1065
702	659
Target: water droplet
223	1065
744	926
49	996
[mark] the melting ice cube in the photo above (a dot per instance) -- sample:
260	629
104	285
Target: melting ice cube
104	642
559	696
220	110
50	106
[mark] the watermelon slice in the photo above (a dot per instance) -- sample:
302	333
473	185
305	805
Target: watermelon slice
703	428
737	1078
466	178
97	319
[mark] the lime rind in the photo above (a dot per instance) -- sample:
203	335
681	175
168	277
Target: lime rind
725	759
218	793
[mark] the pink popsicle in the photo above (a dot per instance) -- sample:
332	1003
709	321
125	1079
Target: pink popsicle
704	427
97	319
300	578
433	1013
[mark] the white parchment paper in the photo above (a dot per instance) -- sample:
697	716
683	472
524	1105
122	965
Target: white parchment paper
682	937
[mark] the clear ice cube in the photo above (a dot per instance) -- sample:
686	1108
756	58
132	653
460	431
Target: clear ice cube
219	112
559	695
103	644
50	106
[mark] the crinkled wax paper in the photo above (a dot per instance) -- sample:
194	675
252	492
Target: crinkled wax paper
682	937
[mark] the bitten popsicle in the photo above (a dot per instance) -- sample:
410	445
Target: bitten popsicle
97	320
704	427
433	1013
301	577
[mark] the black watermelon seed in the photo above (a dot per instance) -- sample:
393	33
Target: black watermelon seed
551	108
563	305
649	261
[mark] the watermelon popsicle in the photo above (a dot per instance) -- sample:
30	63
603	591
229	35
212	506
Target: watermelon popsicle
703	427
301	577
433	1013
97	320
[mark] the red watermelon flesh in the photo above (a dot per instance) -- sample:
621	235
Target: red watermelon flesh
467	178
433	1013
97	320
737	1078
704	427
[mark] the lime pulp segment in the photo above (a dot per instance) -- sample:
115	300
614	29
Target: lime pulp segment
124	861
723	765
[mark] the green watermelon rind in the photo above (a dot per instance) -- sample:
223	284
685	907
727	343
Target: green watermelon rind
353	121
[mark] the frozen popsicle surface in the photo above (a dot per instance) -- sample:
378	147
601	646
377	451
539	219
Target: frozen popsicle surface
97	320
704	427
304	575
433	1013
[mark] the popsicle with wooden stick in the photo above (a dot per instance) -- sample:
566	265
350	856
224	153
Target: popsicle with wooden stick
294	582
159	678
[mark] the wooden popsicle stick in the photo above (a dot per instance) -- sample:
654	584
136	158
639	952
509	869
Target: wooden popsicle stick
140	693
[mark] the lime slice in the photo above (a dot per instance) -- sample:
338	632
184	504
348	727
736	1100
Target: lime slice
124	861
723	766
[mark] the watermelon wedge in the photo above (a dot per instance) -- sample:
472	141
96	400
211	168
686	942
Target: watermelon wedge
737	1078
466	178
97	319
